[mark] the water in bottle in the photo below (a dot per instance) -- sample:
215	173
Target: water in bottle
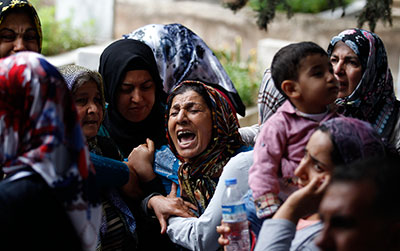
234	215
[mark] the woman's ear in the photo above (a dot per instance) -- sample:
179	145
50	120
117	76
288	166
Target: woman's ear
291	88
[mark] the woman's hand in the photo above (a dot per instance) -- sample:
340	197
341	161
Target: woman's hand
164	207
141	160
304	201
223	230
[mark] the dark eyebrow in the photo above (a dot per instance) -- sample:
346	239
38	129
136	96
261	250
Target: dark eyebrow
187	105
11	30
144	82
7	29
346	57
316	161
316	67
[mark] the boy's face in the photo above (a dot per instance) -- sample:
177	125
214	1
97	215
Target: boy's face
316	84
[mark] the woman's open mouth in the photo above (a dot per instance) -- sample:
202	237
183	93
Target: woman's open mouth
185	138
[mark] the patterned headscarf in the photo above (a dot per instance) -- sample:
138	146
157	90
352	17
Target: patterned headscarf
199	177
182	55
6	6
40	132
72	73
353	139
373	99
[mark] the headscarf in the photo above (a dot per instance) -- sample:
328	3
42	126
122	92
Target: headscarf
40	132
118	58
199	177
354	139
373	99
269	98
7	5
72	73
182	55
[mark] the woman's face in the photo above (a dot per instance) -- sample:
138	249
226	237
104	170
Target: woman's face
18	33
89	105
317	160
136	95
189	124
346	68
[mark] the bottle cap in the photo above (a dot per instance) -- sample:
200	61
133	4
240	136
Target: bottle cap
231	181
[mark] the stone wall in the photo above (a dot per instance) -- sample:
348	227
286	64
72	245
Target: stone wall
219	26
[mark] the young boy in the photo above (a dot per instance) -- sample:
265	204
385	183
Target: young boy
302	73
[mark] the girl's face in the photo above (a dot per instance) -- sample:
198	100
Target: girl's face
89	106
346	68
317	160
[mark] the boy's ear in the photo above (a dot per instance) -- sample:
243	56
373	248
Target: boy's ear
291	88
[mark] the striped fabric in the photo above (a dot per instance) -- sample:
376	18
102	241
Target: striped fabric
116	237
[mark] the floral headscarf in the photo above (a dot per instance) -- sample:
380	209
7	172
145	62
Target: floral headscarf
353	139
7	5
40	132
182	55
373	99
199	177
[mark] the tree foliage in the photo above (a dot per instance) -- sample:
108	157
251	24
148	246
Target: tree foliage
373	11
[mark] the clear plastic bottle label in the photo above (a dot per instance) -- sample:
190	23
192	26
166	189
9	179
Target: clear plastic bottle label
234	213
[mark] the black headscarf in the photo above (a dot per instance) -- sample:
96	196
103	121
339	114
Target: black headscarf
6	6
118	58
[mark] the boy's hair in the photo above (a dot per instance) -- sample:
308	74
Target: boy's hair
286	62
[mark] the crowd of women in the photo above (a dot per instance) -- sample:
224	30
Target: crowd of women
134	156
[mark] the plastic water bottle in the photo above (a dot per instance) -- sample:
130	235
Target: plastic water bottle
234	215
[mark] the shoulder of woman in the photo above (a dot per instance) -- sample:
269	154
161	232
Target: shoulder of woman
243	159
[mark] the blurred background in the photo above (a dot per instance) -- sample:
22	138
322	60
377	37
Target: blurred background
76	31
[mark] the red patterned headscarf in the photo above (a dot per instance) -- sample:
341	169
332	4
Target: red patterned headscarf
40	132
199	177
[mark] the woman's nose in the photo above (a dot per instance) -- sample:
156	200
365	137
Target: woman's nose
181	118
338	67
92	108
136	96
19	44
300	170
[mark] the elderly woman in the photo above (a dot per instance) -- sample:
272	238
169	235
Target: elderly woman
182	55
118	224
366	90
203	135
339	141
49	190
20	28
